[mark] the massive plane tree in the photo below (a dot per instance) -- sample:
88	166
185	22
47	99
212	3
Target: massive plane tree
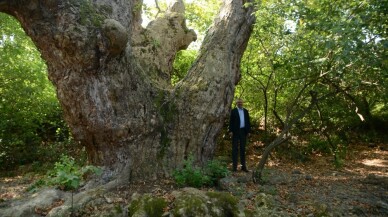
112	78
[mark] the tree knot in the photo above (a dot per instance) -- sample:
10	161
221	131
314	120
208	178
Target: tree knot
117	36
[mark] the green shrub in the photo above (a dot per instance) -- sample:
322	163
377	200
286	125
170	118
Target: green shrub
193	176
66	175
190	175
216	170
290	150
36	185
318	145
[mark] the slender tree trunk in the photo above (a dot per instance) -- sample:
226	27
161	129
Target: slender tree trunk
282	137
265	114
113	79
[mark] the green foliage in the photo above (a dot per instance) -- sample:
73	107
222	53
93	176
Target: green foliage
29	111
216	170
36	185
183	61
290	151
318	145
335	147
190	175
200	15
66	175
197	177
137	7
336	49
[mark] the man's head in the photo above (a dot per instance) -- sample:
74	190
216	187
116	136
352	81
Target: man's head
239	103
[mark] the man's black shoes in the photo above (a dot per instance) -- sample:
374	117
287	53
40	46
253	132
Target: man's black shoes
242	169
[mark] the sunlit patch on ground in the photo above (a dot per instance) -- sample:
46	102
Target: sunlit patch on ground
13	187
372	162
376	162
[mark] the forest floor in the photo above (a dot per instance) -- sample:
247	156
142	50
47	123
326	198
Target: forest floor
312	188
318	188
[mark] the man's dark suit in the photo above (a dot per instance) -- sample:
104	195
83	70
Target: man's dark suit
239	136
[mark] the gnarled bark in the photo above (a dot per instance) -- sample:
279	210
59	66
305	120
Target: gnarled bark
113	78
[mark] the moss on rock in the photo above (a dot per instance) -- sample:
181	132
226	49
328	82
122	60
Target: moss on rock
146	205
193	202
190	205
225	201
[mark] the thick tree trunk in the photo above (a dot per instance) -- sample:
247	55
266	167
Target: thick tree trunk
113	79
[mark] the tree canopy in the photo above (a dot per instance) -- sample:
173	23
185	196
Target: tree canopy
320	46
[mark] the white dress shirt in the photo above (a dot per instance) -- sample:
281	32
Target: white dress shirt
242	120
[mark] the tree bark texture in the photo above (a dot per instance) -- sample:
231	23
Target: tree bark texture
112	78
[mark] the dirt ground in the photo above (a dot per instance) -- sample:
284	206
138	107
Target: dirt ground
317	188
313	188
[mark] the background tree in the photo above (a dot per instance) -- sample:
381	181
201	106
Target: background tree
29	111
113	79
321	48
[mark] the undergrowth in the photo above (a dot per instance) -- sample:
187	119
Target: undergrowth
66	175
193	176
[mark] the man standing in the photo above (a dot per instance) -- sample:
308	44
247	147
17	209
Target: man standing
240	127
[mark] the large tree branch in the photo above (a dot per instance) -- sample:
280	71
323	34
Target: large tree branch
225	42
207	90
157	45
